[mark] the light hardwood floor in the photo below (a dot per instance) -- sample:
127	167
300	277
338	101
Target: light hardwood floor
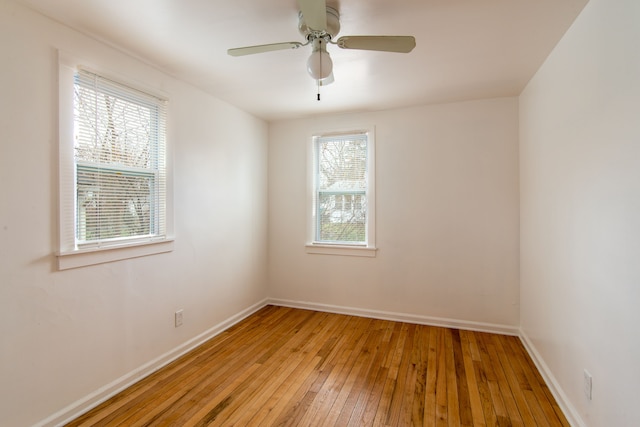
284	366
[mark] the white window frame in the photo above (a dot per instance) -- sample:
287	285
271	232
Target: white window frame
70	254
368	249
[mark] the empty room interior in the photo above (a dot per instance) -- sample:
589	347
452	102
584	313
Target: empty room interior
424	169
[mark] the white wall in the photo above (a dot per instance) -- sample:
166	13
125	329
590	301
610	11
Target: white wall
446	217
580	219
65	334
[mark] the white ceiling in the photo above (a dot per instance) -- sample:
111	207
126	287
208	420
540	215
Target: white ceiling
465	49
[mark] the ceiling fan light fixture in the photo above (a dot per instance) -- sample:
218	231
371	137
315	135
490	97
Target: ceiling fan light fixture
319	64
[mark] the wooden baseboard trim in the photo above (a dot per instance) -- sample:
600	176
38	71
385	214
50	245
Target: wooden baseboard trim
401	317
568	409
89	402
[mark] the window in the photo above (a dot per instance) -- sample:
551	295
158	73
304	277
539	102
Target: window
342	213
113	172
119	158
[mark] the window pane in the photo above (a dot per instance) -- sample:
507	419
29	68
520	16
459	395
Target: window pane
112	204
340	223
112	131
342	164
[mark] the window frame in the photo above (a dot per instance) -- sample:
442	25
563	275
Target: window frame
313	246
70	254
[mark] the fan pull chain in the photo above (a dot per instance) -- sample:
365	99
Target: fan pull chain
318	81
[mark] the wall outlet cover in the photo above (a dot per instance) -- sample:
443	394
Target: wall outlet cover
178	318
588	385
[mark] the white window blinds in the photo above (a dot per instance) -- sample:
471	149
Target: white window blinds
341	189
119	157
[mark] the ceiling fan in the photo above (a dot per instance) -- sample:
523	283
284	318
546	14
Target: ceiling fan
319	24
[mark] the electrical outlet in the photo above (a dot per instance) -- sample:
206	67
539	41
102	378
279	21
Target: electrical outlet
178	318
588	385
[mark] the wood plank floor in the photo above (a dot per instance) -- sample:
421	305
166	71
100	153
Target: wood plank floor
284	366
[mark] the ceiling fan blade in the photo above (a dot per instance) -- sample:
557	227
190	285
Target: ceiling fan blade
250	50
314	13
400	44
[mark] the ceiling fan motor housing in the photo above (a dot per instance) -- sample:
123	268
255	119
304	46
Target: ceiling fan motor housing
333	26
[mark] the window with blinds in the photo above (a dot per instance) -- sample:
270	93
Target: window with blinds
341	189
119	158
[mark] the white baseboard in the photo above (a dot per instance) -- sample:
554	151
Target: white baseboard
568	409
401	317
89	402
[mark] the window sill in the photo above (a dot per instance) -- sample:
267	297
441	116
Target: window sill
344	250
93	256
